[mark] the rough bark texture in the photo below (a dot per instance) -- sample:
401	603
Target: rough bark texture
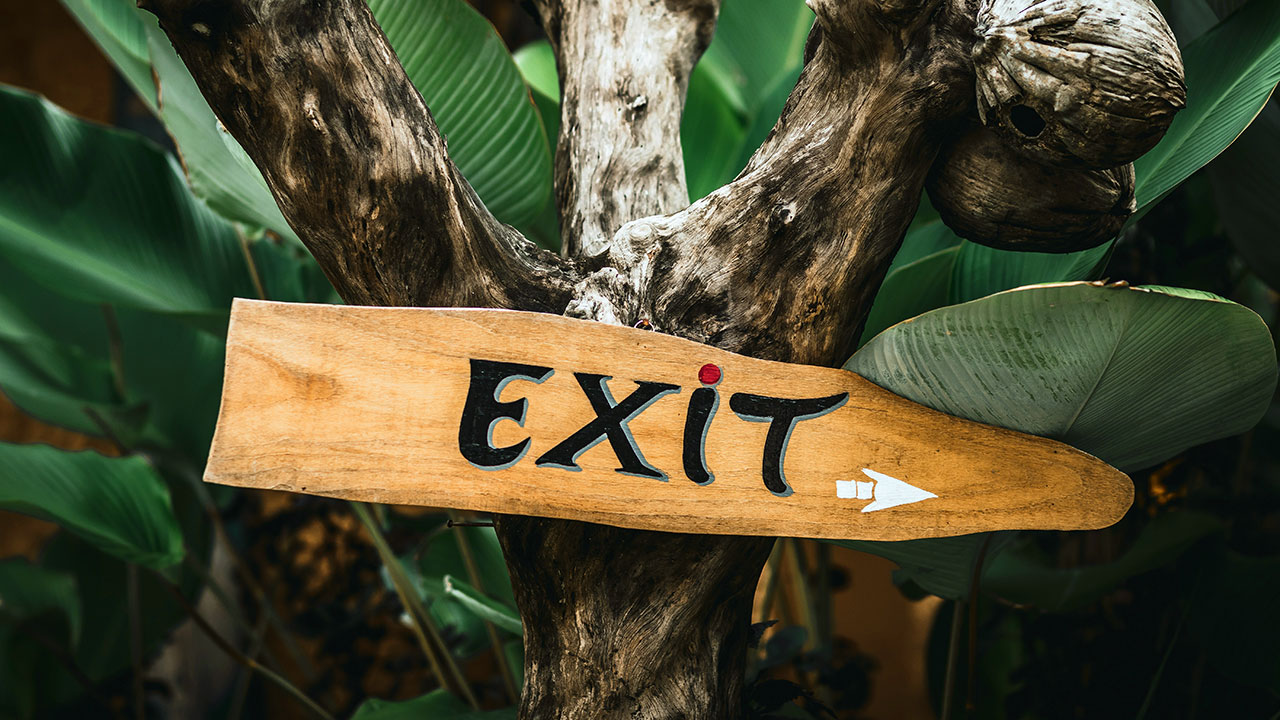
624	68
632	624
318	99
781	264
987	192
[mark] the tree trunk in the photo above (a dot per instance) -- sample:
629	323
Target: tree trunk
631	624
782	264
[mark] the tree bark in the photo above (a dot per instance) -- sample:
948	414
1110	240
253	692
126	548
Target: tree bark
781	264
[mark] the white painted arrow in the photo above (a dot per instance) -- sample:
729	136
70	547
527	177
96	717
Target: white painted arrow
884	490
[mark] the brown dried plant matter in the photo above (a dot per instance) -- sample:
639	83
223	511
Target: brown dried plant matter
782	263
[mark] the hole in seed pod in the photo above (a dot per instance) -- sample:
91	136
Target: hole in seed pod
1027	121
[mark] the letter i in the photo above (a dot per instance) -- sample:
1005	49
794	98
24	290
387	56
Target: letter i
702	407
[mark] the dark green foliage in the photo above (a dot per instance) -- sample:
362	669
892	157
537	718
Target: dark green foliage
117	270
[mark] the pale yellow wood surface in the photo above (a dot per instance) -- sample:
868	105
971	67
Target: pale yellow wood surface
365	404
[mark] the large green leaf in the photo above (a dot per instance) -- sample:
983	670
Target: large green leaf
54	359
958	271
105	216
712	129
1130	375
1231	70
117	28
35	602
435	705
28	590
911	289
458	62
56	364
980	270
119	504
219	170
1233	615
1021	576
942	566
537	64
452	55
1246	183
760	42
175	373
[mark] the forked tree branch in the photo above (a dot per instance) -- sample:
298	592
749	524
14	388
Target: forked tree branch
782	263
624	70
316	96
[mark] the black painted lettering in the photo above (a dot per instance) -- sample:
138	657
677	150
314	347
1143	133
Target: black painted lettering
702	407
611	423
483	410
782	414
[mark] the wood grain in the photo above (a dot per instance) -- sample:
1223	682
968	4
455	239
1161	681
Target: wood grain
365	404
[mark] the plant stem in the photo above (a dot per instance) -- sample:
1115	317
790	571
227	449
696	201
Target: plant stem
253	267
135	640
953	660
242	570
473	572
239	657
800	581
438	655
771	581
975	584
65	659
236	708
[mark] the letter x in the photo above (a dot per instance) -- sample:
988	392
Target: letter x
610	422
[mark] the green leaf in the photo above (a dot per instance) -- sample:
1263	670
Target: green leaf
1131	375
435	705
914	288
1021	576
118	30
760	42
485	608
119	504
459	64
1231	71
1246	183
1233	614
106	217
54	361
175	372
537	64
219	170
28	590
980	270
959	271
712	130
942	566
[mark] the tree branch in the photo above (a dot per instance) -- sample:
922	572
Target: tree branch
624	71
319	101
783	262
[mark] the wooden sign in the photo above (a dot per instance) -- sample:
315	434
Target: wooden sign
535	414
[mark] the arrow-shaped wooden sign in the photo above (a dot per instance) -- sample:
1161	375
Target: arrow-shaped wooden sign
535	414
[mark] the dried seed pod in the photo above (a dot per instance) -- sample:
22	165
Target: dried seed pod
990	194
1078	83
